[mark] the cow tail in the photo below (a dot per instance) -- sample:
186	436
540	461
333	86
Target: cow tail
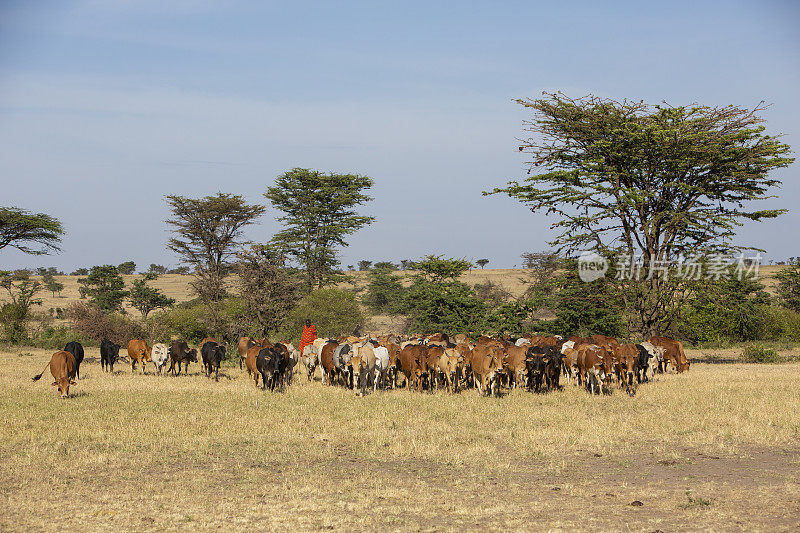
39	375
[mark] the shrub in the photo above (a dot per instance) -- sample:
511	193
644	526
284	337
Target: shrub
385	292
90	322
754	353
334	312
12	320
446	306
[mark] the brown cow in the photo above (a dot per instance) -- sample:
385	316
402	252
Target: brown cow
626	361
63	368
592	368
326	362
244	344
139	351
514	364
412	363
486	371
673	352
432	364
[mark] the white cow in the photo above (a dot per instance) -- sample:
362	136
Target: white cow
381	365
160	357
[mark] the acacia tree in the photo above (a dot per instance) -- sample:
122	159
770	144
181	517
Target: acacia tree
207	231
105	287
22	230
269	290
655	182
319	213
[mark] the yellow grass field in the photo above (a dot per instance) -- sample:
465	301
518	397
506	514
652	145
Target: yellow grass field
715	449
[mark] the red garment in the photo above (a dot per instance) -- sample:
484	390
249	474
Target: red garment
309	334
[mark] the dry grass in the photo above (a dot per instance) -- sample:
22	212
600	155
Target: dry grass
132	452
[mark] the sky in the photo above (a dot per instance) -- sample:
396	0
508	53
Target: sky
106	106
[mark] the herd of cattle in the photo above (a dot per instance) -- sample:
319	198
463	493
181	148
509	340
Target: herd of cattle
535	362
488	364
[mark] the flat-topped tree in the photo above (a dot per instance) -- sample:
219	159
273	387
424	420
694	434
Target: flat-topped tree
651	181
32	233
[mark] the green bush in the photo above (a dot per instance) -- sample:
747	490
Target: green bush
12	320
444	306
334	312
385	292
754	353
56	337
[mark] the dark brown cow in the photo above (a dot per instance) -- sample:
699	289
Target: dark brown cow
139	352
673	352
62	366
179	352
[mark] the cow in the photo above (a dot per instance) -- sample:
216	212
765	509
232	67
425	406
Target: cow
568	361
179	352
649	358
450	365
244	344
212	354
514	364
592	367
535	367
432	364
293	357
281	371
310	360
62	366
267	365
139	352
381	366
487	373
326	362
391	371
341	356
109	354
627	364
673	352
411	362
250	361
160	356
76	349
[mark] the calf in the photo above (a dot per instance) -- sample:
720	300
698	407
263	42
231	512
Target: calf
179	352
160	356
76	349
62	366
139	352
212	354
109	354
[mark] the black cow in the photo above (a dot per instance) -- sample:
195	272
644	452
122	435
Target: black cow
213	354
266	364
109	354
643	363
179	352
554	360
76	349
536	367
282	364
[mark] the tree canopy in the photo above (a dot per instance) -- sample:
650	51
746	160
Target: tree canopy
655	182
105	287
319	212
32	233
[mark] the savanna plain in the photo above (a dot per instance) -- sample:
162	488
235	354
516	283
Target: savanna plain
716	449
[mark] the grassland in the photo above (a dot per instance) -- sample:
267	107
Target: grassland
714	449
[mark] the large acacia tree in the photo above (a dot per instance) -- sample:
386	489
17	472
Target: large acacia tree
655	182
206	235
32	233
319	213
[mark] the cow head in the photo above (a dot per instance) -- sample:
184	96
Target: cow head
63	386
192	355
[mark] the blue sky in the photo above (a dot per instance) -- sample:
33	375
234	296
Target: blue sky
107	106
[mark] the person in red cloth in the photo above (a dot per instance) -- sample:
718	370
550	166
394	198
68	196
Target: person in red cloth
309	334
